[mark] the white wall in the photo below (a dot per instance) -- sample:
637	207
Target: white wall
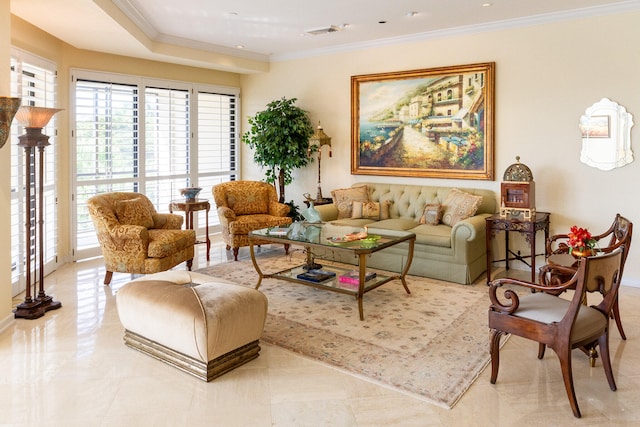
5	188
546	76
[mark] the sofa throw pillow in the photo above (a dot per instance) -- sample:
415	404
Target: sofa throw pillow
251	202
366	210
134	212
343	199
432	214
458	206
385	209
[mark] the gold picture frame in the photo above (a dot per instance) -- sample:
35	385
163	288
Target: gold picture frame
432	123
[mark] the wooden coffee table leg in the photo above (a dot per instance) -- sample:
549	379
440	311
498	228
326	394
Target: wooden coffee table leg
407	265
255	265
363	271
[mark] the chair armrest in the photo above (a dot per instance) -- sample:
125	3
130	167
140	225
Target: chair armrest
167	221
510	294
559	241
278	209
327	212
226	215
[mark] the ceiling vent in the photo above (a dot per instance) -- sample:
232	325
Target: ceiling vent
322	30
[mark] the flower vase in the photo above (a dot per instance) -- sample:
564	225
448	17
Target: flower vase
577	253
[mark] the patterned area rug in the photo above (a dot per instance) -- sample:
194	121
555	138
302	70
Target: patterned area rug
432	343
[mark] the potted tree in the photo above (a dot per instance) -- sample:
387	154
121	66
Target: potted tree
279	137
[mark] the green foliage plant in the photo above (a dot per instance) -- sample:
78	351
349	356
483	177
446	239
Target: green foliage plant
279	137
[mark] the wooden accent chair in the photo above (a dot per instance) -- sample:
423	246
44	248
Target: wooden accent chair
561	324
136	239
244	206
617	235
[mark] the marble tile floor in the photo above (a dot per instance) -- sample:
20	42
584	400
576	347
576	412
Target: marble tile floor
71	368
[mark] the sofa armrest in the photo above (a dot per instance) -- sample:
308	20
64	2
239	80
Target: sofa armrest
167	221
327	212
468	237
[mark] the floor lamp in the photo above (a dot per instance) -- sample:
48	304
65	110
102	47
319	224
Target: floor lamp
321	139
34	119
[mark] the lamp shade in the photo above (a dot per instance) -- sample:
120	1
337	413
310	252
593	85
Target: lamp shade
319	137
35	117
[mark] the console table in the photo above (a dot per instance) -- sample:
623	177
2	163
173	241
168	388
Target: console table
189	207
528	227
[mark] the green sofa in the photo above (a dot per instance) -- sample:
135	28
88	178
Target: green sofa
455	254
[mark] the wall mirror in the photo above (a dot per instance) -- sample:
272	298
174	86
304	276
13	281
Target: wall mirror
606	135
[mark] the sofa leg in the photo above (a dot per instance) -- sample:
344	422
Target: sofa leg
286	248
107	277
235	254
189	264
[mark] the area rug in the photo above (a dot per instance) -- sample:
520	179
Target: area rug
432	343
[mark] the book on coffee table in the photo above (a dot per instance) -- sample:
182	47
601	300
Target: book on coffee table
278	231
316	276
353	277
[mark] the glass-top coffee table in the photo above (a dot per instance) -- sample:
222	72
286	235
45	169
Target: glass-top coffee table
331	237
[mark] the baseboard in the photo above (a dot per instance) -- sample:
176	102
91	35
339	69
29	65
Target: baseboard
6	322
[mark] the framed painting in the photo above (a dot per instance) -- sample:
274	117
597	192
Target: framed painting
435	123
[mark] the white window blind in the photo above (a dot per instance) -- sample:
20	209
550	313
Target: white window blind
149	136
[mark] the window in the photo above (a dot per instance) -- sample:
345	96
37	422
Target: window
34	80
149	136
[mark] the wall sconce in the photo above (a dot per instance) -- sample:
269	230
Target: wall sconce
8	108
34	119
320	139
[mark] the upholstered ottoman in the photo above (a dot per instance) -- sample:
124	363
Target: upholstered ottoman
199	324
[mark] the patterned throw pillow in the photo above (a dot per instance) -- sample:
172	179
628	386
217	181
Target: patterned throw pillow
367	210
134	212
343	199
248	203
459	205
432	214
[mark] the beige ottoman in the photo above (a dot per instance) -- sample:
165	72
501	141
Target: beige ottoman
199	324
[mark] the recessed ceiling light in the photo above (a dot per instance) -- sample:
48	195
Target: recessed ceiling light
411	14
239	46
487	4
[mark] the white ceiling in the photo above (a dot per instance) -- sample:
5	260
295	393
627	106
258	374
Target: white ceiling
207	33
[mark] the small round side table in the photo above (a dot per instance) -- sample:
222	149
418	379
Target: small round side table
189	207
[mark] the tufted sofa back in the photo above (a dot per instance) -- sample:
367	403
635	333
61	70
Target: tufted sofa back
408	200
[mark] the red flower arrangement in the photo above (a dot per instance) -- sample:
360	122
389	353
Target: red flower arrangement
580	240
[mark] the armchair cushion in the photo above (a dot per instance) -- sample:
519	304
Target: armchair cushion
251	202
164	243
134	212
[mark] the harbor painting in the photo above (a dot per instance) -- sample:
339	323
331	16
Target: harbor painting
435	123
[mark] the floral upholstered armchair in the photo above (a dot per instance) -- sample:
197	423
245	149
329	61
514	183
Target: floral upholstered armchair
134	238
244	206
